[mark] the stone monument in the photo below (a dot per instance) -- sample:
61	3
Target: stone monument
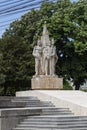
45	61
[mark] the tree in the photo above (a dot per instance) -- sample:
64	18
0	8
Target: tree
66	22
17	51
17	64
71	40
2	76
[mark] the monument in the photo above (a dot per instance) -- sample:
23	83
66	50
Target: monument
45	61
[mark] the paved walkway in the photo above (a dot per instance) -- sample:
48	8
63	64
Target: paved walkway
76	97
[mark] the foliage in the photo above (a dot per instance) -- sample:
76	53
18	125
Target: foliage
71	40
17	64
67	23
67	85
2	76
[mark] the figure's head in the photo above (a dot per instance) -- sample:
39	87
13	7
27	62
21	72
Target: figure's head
52	41
39	43
49	44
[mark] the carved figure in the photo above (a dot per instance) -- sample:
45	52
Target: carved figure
53	58
37	53
45	55
46	59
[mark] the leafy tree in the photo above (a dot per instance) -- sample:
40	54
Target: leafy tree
66	22
17	51
66	85
17	64
71	41
2	76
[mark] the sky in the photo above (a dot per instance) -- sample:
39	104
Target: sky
18	8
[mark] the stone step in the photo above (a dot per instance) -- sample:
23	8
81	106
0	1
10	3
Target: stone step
38	105
58	110
27	98
55	110
10	104
9	98
22	104
6	97
30	101
55	123
57	113
56	117
49	129
55	120
52	126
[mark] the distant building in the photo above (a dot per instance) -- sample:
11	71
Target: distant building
84	86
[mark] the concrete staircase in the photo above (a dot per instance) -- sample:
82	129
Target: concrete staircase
50	118
21	102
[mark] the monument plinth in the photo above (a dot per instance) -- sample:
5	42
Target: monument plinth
47	83
45	61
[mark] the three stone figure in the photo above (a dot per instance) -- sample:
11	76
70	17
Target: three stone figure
45	55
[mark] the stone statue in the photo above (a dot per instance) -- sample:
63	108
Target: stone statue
53	58
37	53
45	36
49	59
45	55
46	59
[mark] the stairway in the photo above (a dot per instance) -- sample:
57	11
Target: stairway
51	118
22	102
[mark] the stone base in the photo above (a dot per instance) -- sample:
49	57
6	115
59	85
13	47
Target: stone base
47	82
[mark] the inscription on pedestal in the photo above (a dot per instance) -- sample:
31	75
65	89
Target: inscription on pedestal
47	83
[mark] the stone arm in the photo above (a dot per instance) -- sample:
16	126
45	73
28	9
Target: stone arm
56	58
36	52
53	53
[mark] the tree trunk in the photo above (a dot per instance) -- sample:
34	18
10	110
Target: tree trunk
5	90
77	86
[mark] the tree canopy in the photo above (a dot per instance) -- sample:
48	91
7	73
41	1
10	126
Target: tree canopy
67	24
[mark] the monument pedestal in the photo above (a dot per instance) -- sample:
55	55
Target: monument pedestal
47	83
